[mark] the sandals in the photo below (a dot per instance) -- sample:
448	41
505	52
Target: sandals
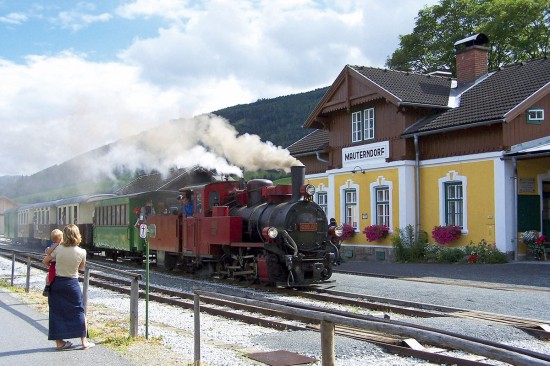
88	345
66	345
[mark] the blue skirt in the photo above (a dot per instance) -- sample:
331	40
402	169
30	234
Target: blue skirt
67	318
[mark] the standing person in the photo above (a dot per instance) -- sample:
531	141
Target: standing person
56	237
67	318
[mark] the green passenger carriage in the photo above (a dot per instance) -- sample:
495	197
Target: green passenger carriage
117	219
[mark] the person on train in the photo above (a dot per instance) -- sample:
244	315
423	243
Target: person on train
187	207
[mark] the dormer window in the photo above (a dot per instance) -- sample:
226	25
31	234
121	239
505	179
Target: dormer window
535	115
362	125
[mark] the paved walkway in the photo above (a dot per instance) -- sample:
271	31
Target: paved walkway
514	273
24	340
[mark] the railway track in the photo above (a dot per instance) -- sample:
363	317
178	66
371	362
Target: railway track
279	319
400	345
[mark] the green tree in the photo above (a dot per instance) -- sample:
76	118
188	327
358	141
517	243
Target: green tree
517	29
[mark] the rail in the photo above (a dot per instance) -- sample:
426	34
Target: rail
327	327
29	257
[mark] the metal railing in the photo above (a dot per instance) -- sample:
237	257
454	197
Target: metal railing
30	257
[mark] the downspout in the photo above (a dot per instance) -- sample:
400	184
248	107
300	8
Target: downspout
319	157
417	185
515	209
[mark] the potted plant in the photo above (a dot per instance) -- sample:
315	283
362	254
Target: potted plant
348	232
376	232
446	234
534	243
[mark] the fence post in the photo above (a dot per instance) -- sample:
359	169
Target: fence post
134	302
327	343
85	287
28	283
197	310
12	267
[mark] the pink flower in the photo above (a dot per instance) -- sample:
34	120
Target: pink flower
446	234
375	232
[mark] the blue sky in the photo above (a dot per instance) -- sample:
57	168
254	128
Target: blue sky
76	75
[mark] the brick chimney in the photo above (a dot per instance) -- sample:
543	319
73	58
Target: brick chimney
472	58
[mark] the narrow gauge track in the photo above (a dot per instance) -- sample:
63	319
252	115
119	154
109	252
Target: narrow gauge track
394	344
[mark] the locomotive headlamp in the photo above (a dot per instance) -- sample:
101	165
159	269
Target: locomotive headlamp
269	233
307	190
336	231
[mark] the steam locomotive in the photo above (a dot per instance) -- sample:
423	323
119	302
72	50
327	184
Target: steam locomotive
255	231
258	232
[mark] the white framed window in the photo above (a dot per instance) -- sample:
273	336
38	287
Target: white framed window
368	124
381	192
453	200
322	200
535	115
362	125
382	195
350	207
356	127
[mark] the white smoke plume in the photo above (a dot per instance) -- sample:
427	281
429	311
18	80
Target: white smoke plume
206	141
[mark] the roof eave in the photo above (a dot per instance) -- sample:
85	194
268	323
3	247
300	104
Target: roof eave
454	128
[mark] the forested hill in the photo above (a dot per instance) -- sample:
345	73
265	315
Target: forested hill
278	120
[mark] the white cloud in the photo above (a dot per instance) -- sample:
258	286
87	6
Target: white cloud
53	108
14	18
207	55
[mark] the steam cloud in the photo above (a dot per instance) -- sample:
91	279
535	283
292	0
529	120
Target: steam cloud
208	141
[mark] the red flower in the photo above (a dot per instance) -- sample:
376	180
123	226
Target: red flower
540	240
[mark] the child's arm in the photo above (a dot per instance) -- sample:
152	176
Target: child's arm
51	249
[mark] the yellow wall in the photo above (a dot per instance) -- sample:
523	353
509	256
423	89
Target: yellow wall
480	196
364	181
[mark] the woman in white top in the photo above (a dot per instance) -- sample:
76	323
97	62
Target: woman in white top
67	318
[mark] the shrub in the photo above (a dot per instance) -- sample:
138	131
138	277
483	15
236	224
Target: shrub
446	234
451	255
408	247
375	232
485	252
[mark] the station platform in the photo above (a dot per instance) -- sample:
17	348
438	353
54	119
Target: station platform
24	340
520	273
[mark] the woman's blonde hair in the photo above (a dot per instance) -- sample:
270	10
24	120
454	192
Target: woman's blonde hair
71	236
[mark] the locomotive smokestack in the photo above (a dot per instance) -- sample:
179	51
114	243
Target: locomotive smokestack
298	176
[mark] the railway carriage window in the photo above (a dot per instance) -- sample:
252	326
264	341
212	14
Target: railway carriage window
383	206
213	199
48	217
198	202
350	205
76	214
322	201
124	216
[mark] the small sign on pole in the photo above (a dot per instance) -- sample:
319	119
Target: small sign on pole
143	231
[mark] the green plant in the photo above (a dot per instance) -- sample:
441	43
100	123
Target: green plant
451	255
534	242
486	252
408	246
